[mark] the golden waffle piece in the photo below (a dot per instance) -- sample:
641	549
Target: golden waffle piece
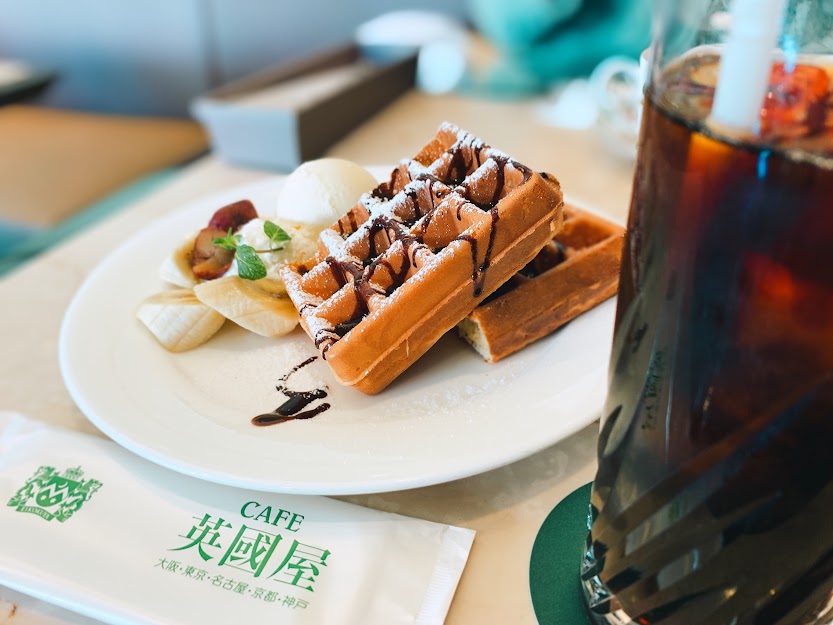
576	271
418	253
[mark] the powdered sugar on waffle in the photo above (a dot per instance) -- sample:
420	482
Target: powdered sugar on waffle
438	211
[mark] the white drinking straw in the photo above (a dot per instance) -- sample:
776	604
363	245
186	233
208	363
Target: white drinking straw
746	63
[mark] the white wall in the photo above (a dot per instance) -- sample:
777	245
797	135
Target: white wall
153	56
114	56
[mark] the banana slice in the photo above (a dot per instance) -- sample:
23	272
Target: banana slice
178	320
176	269
260	306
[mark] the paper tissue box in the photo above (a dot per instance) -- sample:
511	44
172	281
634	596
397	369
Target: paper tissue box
285	115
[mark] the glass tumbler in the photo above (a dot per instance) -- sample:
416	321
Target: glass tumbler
713	501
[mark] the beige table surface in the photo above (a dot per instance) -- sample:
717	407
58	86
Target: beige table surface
506	506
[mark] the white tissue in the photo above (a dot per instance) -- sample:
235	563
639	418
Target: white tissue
92	528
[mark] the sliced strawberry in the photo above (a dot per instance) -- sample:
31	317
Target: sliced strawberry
796	101
233	216
209	261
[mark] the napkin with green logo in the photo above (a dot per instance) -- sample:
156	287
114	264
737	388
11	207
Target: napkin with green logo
90	527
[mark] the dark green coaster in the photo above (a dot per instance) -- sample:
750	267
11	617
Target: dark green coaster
554	564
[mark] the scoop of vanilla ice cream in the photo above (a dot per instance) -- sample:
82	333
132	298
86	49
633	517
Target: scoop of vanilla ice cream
319	192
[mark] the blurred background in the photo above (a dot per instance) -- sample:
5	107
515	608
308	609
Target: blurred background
101	102
152	57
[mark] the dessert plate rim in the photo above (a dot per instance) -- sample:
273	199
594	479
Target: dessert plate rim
450	416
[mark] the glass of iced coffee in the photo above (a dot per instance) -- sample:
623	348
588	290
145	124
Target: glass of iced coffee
713	501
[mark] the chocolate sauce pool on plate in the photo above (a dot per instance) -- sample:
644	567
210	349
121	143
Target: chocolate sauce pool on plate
296	401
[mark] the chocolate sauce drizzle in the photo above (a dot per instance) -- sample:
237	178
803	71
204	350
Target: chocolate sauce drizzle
478	270
386	190
457	168
296	401
350	217
434	195
362	278
415	202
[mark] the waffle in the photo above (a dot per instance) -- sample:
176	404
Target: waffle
576	271
418	253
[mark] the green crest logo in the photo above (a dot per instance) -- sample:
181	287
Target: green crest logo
53	495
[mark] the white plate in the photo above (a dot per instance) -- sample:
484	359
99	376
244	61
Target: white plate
449	416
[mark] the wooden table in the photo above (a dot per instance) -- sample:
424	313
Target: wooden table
507	505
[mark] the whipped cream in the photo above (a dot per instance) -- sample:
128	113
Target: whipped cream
303	244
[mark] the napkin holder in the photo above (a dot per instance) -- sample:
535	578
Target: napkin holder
248	131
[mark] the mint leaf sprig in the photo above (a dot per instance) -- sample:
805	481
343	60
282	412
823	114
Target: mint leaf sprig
276	234
249	265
